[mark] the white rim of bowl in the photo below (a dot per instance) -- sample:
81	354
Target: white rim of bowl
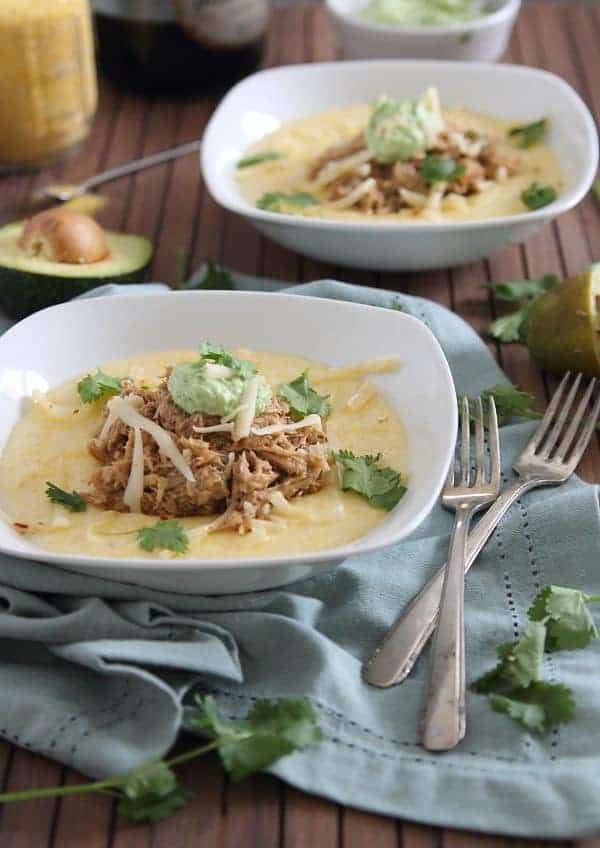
563	203
506	11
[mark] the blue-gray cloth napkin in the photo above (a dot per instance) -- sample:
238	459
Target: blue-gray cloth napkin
95	673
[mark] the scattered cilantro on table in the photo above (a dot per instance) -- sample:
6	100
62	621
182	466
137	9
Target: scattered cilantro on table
151	793
215	278
169	535
510	403
436	169
596	190
303	399
559	619
537	196
529	134
259	158
509	328
98	385
70	500
381	486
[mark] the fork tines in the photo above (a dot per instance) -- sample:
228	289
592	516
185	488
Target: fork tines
568	423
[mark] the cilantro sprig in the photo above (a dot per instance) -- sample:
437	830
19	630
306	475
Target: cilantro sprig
537	196
215	278
70	500
98	385
259	158
152	792
221	356
510	402
381	486
276	201
435	169
527	135
169	535
559	619
510	327
303	399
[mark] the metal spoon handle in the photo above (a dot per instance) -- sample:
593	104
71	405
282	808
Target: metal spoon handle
401	647
141	164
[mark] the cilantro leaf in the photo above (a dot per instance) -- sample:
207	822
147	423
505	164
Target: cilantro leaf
259	158
219	355
524	289
529	134
509	328
303	400
596	190
564	611
272	729
99	385
70	500
538	707
164	534
381	487
520	663
510	403
440	168
536	196
215	278
151	793
274	201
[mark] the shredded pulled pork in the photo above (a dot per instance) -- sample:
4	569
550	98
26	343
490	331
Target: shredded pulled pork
232	479
351	180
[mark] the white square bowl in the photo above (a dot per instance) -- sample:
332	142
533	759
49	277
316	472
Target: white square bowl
264	101
80	335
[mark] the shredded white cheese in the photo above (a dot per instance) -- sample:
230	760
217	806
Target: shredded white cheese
123	408
332	170
355	195
309	421
379	365
216	372
414	199
361	397
215	428
245	417
132	497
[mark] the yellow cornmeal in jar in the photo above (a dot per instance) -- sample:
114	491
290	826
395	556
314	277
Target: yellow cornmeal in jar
48	91
50	442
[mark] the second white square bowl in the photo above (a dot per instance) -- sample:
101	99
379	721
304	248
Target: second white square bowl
264	101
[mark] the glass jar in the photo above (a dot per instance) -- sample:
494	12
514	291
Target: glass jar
48	91
179	46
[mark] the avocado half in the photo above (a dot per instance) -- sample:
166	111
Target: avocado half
563	325
29	283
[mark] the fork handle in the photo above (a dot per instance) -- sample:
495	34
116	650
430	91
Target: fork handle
401	647
141	164
444	723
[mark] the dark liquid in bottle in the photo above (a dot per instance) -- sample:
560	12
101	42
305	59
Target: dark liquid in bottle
151	57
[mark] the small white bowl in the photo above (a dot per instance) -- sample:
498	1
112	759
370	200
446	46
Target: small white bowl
264	101
481	40
81	335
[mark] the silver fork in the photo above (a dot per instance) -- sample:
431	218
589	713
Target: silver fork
445	722
550	458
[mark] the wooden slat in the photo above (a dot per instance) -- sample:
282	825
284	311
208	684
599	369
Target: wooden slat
419	836
360	829
29	825
253	814
309	822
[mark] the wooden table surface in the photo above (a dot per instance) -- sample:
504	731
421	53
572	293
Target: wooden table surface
171	206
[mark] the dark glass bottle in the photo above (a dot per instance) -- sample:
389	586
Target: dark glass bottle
179	46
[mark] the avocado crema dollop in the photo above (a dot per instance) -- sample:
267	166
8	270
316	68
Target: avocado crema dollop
422	12
398	130
214	384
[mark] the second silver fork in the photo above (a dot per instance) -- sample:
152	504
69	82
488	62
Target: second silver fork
466	493
549	459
